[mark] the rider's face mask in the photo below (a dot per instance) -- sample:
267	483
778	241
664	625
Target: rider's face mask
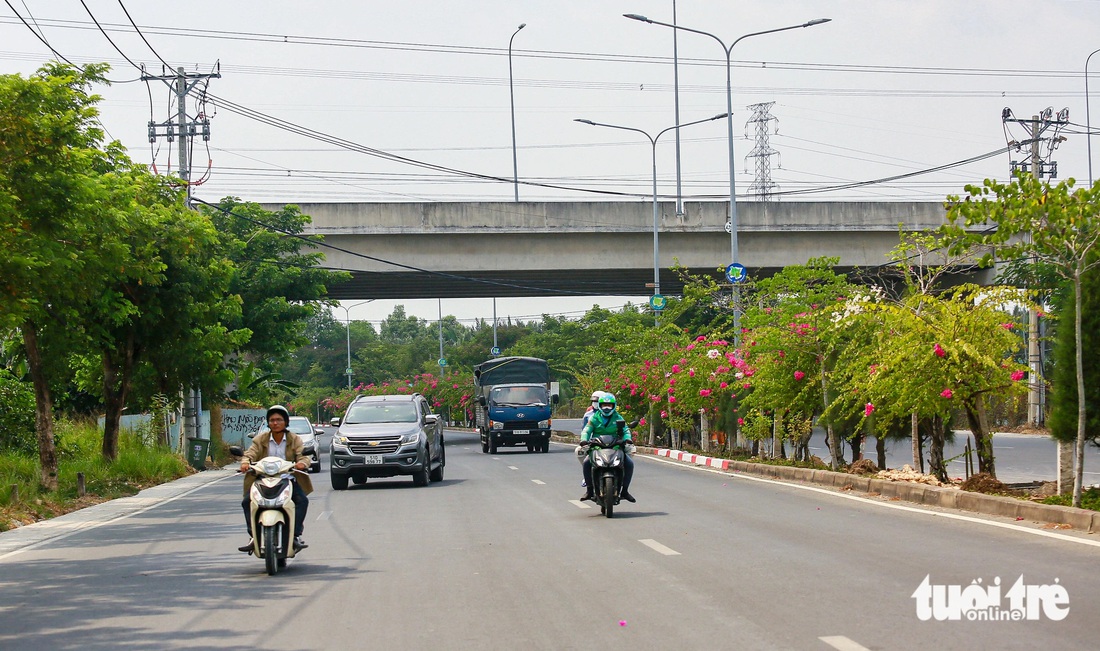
607	409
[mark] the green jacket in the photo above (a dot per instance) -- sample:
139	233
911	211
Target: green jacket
598	425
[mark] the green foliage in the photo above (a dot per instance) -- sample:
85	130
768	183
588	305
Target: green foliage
1063	397
16	416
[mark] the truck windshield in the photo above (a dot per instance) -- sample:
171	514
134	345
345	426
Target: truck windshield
519	396
396	412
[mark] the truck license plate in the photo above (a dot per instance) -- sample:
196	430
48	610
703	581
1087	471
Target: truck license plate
521	431
373	460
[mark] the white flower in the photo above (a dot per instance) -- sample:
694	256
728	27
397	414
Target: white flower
713	353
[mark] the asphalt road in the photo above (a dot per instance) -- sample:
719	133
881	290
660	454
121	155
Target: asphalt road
1019	457
500	556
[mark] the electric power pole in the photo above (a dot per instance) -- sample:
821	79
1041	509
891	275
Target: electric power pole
762	117
1038	165
184	128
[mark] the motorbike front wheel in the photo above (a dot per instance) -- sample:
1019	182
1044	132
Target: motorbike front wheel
608	495
271	549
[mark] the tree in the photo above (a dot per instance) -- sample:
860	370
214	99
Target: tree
58	236
1055	225
1063	399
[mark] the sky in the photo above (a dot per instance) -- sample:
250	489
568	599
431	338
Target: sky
883	89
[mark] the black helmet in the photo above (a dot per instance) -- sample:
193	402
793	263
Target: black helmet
278	409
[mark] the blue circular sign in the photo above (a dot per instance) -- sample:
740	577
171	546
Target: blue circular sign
735	273
442	361
495	350
658	302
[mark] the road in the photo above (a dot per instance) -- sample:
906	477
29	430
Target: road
500	556
1019	457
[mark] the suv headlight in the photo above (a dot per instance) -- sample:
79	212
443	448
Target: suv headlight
411	437
544	424
496	424
339	441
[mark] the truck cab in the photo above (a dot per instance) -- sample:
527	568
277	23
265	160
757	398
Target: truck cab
515	400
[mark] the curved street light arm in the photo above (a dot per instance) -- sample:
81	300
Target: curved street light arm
1088	122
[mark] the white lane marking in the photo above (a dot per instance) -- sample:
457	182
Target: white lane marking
540	483
579	504
658	547
888	505
842	643
512	468
496	458
324	515
88	526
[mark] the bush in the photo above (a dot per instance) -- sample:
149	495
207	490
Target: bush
16	415
1090	499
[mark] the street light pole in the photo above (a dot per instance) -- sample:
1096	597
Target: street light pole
512	99
347	325
656	217
1088	122
729	131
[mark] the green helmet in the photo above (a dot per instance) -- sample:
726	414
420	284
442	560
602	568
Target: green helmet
606	404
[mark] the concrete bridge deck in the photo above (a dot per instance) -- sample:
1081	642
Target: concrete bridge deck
483	249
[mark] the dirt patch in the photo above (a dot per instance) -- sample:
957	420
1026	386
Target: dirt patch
983	482
906	473
863	467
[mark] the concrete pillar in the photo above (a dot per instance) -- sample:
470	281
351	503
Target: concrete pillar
704	429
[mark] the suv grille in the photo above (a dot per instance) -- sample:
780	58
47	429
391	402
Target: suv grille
385	446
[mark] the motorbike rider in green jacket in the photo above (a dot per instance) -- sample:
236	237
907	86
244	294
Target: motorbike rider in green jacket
605	421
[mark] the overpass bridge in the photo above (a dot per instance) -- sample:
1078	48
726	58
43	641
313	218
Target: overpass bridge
485	249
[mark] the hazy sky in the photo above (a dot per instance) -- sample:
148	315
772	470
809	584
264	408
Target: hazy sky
886	88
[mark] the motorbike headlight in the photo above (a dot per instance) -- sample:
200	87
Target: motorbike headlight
411	437
274	502
544	424
599	460
496	424
616	461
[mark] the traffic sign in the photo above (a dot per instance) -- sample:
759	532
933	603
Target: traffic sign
442	361
348	371
495	350
735	273
658	302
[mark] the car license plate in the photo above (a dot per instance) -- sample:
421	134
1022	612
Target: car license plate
373	460
521	431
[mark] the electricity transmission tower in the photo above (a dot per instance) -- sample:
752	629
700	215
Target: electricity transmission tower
762	186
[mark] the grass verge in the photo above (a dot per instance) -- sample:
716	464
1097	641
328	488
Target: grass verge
139	465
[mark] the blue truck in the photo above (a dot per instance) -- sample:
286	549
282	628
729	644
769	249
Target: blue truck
515	400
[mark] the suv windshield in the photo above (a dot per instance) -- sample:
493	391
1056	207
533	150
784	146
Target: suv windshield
381	412
519	396
300	425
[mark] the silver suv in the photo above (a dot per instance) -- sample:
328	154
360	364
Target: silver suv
385	436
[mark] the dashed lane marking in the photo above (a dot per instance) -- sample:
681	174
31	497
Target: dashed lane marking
658	547
579	504
842	643
540	483
512	468
325	515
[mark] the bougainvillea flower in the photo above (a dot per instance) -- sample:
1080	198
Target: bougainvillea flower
723	385
641	421
740	421
671	399
946	393
798	375
868	409
704	392
664	414
747	385
675	368
691	372
1017	376
701	338
940	352
1008	326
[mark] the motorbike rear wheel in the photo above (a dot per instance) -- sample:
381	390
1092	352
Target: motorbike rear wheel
608	495
271	549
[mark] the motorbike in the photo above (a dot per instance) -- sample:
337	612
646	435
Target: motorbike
608	458
272	512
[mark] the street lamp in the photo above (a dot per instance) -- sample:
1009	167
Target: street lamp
1088	123
512	99
729	133
347	324
653	144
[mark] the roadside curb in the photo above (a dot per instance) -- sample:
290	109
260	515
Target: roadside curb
31	535
950	498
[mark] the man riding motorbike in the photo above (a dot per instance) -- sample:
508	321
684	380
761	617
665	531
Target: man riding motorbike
605	421
278	441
